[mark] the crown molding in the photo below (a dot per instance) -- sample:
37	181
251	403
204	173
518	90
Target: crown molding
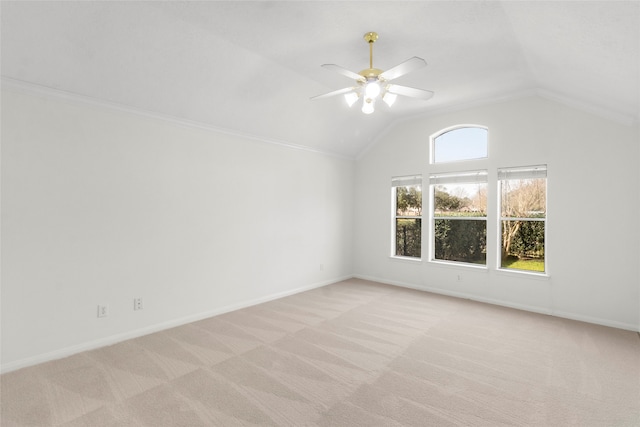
605	113
623	119
446	109
33	88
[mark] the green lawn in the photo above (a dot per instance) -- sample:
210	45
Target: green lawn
523	264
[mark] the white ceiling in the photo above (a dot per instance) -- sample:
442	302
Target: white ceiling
251	67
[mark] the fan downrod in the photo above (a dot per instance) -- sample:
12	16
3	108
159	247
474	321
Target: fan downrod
370	73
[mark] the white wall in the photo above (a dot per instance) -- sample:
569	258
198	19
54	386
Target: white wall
100	206
593	204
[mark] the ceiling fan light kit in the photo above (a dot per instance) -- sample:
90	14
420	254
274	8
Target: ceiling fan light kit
351	98
372	84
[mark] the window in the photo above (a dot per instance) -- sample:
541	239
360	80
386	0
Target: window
459	227
523	212
459	143
407	221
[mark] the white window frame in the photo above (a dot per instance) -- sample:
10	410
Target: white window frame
405	181
521	172
432	143
463	177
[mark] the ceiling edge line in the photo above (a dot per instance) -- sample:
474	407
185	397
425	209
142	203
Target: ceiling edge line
620	118
74	97
452	108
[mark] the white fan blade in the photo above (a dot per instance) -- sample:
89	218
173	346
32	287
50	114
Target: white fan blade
335	92
344	72
407	66
409	91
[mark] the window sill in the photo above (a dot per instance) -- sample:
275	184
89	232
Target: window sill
405	259
523	273
458	265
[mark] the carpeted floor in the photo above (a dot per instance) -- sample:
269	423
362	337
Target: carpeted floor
354	353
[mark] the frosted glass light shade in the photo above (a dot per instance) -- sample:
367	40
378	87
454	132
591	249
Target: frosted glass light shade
372	89
351	98
367	106
389	98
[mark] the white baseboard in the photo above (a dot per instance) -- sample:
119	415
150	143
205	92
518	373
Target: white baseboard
114	339
534	309
597	321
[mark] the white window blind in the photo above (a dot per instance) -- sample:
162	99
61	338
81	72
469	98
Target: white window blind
524	172
406	181
458	177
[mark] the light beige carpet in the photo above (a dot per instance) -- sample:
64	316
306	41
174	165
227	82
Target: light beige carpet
354	353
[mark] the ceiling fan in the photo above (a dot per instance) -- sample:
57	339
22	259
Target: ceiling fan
373	84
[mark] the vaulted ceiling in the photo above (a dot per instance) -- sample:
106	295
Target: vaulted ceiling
251	67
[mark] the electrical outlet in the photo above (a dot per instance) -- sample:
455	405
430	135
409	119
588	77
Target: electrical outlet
459	278
321	267
103	310
137	303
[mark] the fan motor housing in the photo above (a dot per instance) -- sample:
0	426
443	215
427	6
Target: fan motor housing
370	73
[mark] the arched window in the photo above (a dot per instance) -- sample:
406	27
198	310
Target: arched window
458	208
463	142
